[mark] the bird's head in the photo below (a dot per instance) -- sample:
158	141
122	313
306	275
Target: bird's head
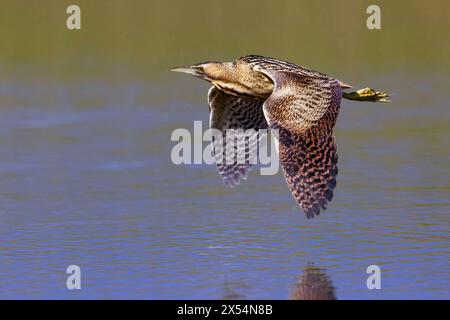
232	78
209	71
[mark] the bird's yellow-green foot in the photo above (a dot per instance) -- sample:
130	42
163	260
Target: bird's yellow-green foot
367	94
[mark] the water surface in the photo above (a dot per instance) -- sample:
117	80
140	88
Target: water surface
87	180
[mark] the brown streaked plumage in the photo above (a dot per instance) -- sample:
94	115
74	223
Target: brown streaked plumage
256	92
231	112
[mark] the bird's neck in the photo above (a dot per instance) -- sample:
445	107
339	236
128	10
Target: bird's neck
245	82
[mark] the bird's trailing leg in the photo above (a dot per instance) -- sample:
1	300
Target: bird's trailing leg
367	94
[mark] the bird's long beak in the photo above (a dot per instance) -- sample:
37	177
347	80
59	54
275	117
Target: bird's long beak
194	70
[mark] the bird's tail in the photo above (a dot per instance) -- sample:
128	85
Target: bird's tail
367	94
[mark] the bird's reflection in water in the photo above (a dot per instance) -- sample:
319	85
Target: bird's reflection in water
234	290
313	284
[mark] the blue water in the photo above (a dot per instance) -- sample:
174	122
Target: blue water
87	180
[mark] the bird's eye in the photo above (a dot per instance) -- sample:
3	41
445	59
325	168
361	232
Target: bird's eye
198	68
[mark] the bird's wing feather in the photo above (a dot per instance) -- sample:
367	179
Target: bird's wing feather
309	162
304	108
230	112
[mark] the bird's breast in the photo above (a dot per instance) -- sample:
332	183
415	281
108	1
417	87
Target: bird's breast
239	90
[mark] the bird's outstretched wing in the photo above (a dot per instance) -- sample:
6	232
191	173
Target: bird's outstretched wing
242	114
309	162
303	107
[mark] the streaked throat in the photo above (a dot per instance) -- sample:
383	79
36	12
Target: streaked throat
237	90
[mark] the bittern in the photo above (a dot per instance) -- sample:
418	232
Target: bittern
256	92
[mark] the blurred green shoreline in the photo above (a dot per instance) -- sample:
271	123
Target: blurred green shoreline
145	38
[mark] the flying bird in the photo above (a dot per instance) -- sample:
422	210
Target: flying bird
256	92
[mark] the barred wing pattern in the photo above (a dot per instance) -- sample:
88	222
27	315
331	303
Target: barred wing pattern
231	112
309	163
304	106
